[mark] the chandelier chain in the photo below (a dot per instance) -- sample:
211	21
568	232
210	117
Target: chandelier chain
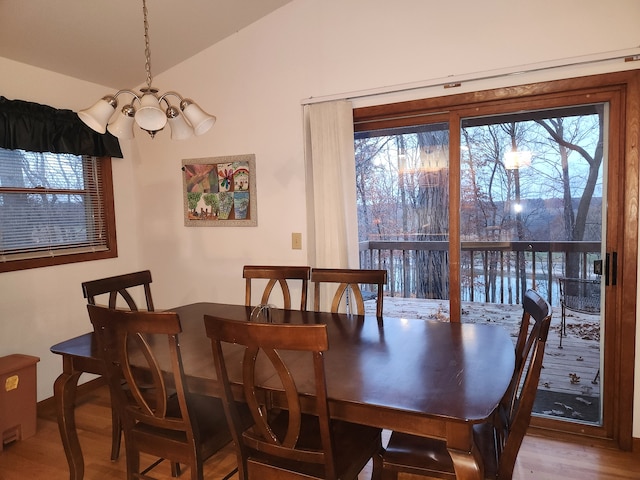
147	48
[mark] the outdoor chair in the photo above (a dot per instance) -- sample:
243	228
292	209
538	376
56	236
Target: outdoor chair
499	440
284	441
578	295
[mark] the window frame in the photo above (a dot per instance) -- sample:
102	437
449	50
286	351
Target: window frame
111	251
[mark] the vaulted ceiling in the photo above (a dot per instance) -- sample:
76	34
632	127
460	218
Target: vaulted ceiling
102	41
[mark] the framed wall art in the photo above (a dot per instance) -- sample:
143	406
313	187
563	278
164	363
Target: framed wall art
220	191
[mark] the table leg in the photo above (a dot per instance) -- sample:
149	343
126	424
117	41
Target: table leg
467	461
64	392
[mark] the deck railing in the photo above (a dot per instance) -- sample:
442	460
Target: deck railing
510	267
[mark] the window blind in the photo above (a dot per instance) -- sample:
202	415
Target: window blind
51	204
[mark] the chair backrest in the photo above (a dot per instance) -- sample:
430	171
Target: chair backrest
580	294
151	389
349	281
119	284
534	309
514	414
275	435
277	275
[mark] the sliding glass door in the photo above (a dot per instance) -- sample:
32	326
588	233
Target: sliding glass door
532	216
470	200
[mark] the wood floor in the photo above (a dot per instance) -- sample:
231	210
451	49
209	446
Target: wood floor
42	456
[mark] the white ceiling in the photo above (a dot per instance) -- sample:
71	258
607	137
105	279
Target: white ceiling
102	41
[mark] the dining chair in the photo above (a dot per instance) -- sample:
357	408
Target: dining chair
118	288
159	415
498	440
292	436
348	289
120	285
280	275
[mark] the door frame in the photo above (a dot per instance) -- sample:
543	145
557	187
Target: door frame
621	238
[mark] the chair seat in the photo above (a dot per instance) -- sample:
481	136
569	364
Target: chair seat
417	455
353	444
430	457
211	421
352	440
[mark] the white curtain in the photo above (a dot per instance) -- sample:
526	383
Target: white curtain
331	185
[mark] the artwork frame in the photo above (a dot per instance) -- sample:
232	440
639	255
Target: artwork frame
220	191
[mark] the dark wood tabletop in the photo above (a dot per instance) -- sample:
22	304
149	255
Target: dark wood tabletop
423	377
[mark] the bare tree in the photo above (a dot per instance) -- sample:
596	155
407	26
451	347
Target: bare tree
432	208
575	222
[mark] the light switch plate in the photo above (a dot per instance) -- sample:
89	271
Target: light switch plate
296	241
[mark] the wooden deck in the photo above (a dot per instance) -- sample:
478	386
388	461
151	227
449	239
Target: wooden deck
570	370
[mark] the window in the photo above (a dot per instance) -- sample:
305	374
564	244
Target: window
55	208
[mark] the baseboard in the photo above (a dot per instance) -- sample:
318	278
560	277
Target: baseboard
635	446
47	406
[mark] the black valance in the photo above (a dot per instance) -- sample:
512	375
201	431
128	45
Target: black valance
40	128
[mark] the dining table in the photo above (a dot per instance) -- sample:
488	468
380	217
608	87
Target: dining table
423	377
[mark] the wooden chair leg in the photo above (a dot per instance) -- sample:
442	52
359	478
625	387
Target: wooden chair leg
376	471
116	435
133	463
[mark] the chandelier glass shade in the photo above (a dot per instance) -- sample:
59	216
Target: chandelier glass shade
148	110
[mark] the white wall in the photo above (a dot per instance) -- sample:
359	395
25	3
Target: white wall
254	82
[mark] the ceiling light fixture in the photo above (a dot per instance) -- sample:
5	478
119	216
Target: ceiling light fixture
145	110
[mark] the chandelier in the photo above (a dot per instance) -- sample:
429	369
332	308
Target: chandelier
146	110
